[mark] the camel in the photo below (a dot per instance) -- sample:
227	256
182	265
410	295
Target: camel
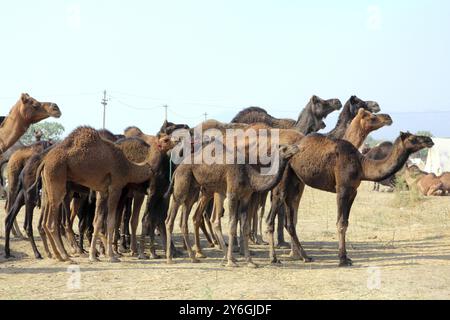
445	179
25	112
349	112
340	168
235	182
86	159
310	119
428	184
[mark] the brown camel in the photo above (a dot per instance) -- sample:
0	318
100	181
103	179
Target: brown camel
310	119
86	159
235	182
428	184
25	112
445	179
339	168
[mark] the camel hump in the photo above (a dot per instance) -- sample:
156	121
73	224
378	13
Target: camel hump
82	136
251	113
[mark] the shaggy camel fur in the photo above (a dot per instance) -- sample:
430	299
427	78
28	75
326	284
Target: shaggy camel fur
25	112
236	182
339	168
86	159
310	119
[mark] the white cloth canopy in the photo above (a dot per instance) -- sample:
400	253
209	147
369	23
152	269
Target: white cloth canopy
438	160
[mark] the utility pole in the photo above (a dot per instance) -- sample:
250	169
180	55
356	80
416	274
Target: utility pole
206	116
166	107
104	103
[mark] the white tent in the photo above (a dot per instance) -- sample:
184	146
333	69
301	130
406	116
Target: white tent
438	160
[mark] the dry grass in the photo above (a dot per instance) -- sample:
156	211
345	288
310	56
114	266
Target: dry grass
403	243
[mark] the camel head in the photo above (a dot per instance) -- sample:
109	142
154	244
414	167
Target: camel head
414	143
322	108
166	143
371	122
288	151
169	128
34	111
356	104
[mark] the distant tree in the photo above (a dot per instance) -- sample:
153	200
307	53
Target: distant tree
371	142
50	131
425	133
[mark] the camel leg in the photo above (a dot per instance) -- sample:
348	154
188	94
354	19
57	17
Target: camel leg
98	224
207	214
16	231
46	227
137	205
233	211
293	197
111	222
198	221
185	231
216	219
170	222
345	199
275	207
30	203
245	222
68	225
281	243
10	219
43	234
260	238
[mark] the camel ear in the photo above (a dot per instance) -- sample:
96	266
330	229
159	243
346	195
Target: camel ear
315	99
361	112
25	98
353	99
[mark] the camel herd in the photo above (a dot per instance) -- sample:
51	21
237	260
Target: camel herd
102	180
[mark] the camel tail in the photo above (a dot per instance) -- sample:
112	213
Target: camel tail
170	189
36	183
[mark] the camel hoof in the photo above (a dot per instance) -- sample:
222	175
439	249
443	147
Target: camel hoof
295	256
275	262
134	254
308	260
38	257
9	256
143	257
231	264
195	261
283	245
170	261
200	255
346	262
113	260
155	257
252	265
94	259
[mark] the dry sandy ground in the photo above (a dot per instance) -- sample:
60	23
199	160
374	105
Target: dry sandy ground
399	253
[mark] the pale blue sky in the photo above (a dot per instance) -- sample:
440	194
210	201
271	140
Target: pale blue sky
221	56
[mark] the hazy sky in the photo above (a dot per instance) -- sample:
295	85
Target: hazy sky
218	57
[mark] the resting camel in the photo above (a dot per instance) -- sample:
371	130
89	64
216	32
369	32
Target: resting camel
428	184
310	119
86	159
235	182
445	179
24	113
340	168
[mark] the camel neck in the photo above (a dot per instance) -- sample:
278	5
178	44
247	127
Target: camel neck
12	129
344	120
306	121
356	135
379	170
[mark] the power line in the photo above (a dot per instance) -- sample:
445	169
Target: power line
104	103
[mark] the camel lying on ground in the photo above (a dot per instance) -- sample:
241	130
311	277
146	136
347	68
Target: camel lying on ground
428	184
